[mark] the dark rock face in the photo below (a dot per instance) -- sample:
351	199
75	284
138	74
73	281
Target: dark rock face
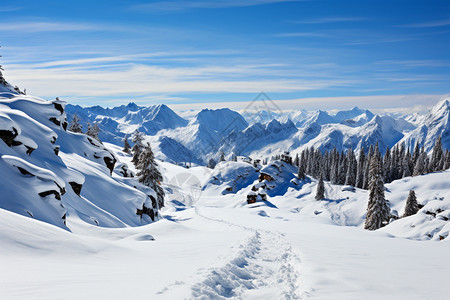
76	187
110	163
147	211
56	149
8	136
46	193
24	172
55	121
58	107
64	125
29	149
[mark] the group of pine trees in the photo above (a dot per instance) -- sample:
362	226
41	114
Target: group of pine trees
345	168
92	130
370	171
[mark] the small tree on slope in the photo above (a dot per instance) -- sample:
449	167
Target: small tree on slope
149	173
320	192
412	207
137	138
75	125
93	130
378	211
126	146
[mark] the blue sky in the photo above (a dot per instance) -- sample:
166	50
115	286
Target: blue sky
201	51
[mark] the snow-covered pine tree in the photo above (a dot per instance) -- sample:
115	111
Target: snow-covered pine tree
75	125
408	166
421	164
296	160
437	162
301	172
211	163
378	211
93	130
350	177
320	192
411	207
149	173
387	170
233	157
360	169
126	145
447	160
137	138
367	167
222	156
416	153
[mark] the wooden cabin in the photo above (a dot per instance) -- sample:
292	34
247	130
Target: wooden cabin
262	193
251	197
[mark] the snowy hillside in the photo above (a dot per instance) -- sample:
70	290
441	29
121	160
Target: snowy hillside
57	176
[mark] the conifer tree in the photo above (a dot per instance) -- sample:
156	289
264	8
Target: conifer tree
301	172
378	211
360	169
93	130
222	156
350	178
137	138
211	163
437	162
75	125
320	192
126	145
411	207
421	164
296	160
149	173
233	157
408	167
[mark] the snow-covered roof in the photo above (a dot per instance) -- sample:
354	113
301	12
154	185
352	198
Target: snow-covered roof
251	193
262	191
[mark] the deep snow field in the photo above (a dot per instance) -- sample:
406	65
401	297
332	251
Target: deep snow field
213	245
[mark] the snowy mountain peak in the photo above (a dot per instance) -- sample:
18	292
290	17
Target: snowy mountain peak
221	120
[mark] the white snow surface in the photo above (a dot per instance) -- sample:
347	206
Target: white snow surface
207	243
214	246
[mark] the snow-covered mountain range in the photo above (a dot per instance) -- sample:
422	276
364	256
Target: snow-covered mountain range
263	134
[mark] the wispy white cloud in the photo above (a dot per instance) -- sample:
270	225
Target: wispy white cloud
9	8
174	6
302	34
379	104
436	23
42	26
330	20
415	63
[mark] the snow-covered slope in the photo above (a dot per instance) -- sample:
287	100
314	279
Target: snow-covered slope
56	176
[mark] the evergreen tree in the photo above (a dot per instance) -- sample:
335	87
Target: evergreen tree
126	145
416	153
75	125
447	160
412	207
421	164
222	156
137	138
320	192
149	173
366	168
387	167
437	158
360	169
93	131
378	211
350	178
211	163
233	157
296	160
301	172
408	167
